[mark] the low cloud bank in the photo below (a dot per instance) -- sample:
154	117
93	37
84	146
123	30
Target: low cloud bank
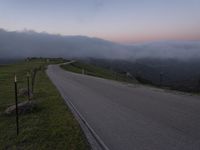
30	44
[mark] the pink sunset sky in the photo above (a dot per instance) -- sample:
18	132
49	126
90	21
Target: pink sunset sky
123	21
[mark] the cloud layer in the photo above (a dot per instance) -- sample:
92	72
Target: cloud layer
30	43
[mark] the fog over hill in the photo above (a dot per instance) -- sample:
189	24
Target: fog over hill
29	44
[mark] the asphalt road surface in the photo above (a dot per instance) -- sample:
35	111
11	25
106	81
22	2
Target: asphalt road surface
132	117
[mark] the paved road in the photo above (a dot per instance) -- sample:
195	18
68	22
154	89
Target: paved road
132	117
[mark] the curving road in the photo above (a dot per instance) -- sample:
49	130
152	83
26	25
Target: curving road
132	117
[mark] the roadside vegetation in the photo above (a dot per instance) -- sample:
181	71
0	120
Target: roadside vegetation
50	126
173	74
88	69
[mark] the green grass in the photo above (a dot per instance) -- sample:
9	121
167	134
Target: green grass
51	126
97	71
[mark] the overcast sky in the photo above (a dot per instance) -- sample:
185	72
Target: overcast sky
124	21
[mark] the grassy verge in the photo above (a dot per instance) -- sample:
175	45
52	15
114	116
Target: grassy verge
92	70
51	126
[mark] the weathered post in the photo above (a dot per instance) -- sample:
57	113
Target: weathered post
33	78
28	85
83	71
16	104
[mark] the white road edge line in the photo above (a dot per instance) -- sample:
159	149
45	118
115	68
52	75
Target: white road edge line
81	118
97	138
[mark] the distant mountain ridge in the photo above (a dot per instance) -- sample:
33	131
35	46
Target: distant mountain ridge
29	44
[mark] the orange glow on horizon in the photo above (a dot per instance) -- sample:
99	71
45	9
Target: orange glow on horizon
149	38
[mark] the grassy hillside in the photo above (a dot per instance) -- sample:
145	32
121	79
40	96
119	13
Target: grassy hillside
182	75
81	67
51	126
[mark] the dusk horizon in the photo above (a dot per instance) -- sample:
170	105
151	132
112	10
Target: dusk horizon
26	30
124	22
